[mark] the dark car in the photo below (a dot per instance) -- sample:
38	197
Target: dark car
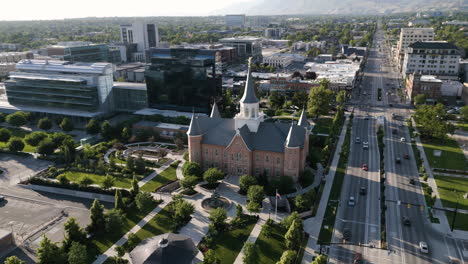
412	181
2	198
346	233
398	160
406	221
363	191
406	156
394	131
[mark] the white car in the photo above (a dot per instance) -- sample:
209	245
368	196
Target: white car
351	201
365	145
423	247
403	139
357	140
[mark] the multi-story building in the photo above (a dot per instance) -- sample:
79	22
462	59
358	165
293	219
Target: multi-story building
422	84
182	79
438	58
245	47
278	60
129	97
274	33
13	57
248	145
6	68
78	51
61	87
234	20
11	47
409	36
125	49
144	35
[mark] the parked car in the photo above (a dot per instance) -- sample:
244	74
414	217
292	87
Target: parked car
412	181
406	221
403	139
423	247
351	201
365	145
398	160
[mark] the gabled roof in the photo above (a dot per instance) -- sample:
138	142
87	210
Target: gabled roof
249	96
215	111
303	119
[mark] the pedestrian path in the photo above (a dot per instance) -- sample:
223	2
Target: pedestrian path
111	251
312	225
152	175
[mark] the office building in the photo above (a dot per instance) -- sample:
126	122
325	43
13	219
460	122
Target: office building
182	79
11	47
438	58
13	57
409	36
61	87
432	87
79	51
278	60
245	47
129	97
144	35
246	144
125	50
274	33
234	20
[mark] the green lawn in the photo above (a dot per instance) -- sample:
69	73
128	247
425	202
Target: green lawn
461	223
164	177
452	156
269	250
100	243
446	186
462	126
98	179
229	244
18	132
160	224
323	125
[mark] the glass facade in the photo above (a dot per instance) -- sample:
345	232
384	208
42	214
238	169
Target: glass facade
91	53
129	99
182	79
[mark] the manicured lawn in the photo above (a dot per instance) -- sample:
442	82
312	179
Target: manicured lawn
462	126
17	132
446	186
98	179
461	223
100	243
269	250
323	125
229	244
451	158
164	177
160	224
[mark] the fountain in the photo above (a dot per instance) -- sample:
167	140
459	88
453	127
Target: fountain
215	201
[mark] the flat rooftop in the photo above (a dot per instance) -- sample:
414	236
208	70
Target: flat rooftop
64	66
240	39
130	86
171	113
5	106
161	125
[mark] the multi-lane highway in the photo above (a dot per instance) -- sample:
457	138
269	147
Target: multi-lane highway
361	222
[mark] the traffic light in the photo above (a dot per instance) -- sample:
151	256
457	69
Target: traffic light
409	205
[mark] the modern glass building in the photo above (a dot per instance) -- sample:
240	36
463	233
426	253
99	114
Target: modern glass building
182	79
129	97
77	51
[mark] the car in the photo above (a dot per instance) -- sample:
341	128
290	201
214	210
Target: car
357	258
397	160
366	117
406	156
364	167
423	247
394	131
363	191
393	116
357	140
351	201
346	233
365	145
391	105
403	139
406	221
2	198
412	181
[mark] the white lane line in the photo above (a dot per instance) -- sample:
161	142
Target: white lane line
358	222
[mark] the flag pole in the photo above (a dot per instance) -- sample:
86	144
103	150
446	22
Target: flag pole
276	203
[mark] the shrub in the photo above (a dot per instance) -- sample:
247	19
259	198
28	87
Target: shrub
245	181
44	123
192	169
144	201
35	138
256	194
15	144
17	119
5	134
46	147
66	124
212	175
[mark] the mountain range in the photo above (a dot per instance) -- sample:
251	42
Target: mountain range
347	7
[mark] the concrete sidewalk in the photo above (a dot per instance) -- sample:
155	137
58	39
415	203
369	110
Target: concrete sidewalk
152	175
313	225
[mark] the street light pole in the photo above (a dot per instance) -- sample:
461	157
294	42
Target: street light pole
455	215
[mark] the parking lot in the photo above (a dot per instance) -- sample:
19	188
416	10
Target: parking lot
17	168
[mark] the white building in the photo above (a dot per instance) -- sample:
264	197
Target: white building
411	35
341	73
278	60
438	58
451	88
234	20
144	35
306	46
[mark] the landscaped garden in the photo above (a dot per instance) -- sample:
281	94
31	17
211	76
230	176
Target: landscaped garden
452	188
161	179
451	157
323	125
270	245
77	177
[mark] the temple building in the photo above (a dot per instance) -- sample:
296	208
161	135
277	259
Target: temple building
247	144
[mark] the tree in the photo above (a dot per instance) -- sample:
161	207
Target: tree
463	112
133	240
433	121
107	130
68	150
114	220
211	258
2	117
256	194
189	182
5	134
108	182
245	181
294	216
85	181
180	210
97	217
249	253
276	100
301	203
63	179
419	99
49	253
300	99
44	123
73	232
293	236
77	254
35	138
66	124
126	134
191	169
17	119
130	163
212	175
140	166
46	147
218	218
253	207
92	127
15	144
320	98
135	188
288	257
144	201
239	210
341	98
118	203
13	260
120	251
321	259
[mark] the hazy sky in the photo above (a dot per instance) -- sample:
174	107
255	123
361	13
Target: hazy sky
58	9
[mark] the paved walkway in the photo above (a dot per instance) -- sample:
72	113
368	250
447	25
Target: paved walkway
152	175
451	175
318	176
312	225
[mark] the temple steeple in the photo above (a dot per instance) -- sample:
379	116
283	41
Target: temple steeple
249	96
215	111
303	119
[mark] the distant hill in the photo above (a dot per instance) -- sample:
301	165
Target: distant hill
357	7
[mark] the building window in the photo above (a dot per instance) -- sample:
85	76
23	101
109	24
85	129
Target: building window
239	156
225	165
256	171
256	157
206	151
267	159
232	156
216	152
278	161
277	173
